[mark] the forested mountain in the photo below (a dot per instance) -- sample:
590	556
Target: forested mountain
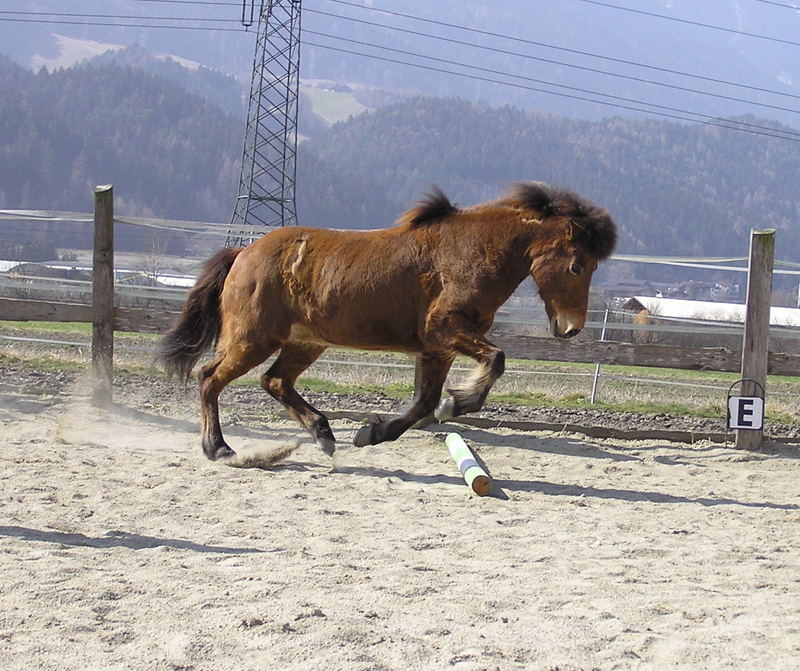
172	153
673	188
211	85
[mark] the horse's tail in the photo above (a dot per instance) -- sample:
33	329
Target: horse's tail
200	322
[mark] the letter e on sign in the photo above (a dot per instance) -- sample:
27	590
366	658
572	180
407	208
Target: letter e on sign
746	412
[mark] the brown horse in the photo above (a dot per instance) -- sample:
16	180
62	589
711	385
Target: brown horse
429	285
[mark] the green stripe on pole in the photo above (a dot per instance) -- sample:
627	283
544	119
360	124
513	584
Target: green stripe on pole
477	479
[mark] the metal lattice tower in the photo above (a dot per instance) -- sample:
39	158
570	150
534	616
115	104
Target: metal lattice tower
269	167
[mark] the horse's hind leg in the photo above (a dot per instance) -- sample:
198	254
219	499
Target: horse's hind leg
279	381
433	371
214	377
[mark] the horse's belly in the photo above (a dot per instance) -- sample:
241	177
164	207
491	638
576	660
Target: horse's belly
369	334
301	333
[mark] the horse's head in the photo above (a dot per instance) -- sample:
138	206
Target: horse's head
575	236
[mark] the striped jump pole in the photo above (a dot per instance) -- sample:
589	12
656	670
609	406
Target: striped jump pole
477	479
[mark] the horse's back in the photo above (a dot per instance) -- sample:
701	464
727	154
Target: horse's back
351	288
305	256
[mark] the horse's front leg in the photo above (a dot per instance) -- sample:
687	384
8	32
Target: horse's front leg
432	373
471	395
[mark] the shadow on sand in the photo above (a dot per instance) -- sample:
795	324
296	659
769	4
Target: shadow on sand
114	539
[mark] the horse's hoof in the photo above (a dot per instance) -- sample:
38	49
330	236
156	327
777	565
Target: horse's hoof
223	452
327	445
364	436
446	410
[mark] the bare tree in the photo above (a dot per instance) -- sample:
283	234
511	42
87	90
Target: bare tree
152	263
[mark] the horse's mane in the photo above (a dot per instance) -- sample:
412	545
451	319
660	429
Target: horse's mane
598	234
435	206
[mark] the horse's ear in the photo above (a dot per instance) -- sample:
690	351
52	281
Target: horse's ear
573	231
597	236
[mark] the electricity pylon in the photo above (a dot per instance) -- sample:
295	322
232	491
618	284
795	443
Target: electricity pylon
269	166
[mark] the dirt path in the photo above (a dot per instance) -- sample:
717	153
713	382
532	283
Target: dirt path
121	547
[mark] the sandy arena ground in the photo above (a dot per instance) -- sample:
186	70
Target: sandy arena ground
121	547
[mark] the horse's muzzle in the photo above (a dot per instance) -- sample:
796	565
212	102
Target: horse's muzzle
569	332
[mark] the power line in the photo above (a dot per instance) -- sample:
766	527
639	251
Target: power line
558	48
118	16
456	41
779	4
721	123
555	62
192	2
477	31
789	133
386	11
700	24
451	25
122	25
731	124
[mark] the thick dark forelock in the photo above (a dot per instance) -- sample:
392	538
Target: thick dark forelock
597	231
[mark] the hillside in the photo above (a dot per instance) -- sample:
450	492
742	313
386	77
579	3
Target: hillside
172	153
212	86
673	188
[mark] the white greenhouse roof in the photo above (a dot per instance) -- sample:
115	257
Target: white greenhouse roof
712	311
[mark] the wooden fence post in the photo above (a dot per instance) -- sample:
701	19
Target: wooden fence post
755	344
103	296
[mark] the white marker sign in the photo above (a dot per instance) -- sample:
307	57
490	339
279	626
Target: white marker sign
746	412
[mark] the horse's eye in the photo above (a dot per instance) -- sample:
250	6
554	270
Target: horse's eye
575	268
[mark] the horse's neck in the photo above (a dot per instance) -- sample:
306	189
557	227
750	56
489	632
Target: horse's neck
507	260
508	242
522	242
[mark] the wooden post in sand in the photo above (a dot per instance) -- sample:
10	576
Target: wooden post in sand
103	296
755	345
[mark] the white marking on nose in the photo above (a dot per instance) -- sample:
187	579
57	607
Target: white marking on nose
566	329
